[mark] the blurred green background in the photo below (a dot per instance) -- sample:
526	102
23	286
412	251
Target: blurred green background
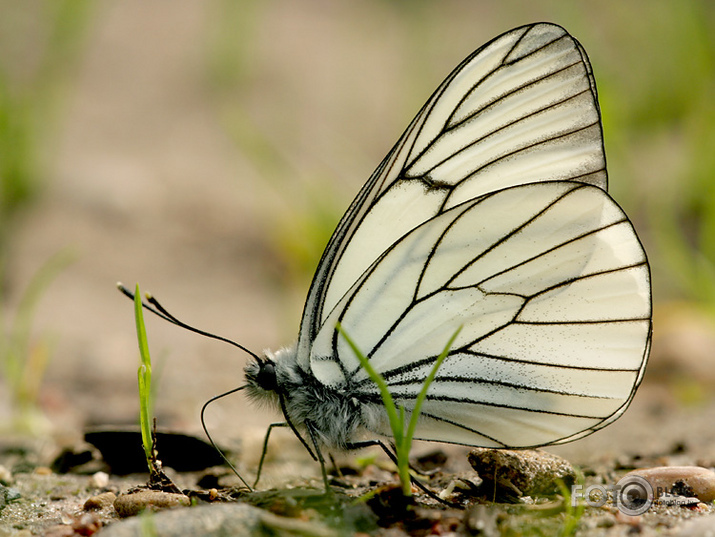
207	150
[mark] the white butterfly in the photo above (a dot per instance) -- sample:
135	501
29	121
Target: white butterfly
491	212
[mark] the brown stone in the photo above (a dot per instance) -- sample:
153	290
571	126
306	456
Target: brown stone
100	501
522	473
680	480
132	504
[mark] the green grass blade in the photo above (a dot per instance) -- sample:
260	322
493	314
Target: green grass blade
144	378
395	423
396	416
426	384
141	330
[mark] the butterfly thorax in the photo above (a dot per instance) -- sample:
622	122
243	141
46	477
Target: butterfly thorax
334	415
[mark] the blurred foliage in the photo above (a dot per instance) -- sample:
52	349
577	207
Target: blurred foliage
659	116
39	41
23	361
302	203
654	62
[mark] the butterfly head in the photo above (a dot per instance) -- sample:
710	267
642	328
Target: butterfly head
272	376
262	375
261	382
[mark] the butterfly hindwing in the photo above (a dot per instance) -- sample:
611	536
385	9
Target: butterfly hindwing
551	287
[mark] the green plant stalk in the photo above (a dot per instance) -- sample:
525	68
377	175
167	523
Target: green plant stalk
392	414
28	103
144	377
23	363
423	395
573	514
147	526
396	416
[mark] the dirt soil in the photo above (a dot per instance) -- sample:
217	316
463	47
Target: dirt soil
651	434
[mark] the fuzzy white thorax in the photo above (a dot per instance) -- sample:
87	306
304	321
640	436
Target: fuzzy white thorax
336	415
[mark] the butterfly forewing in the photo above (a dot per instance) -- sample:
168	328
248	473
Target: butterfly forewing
521	109
490	213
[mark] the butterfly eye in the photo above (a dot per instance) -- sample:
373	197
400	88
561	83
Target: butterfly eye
266	377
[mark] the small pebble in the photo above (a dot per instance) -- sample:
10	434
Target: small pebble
522	473
43	470
7	495
680	480
100	501
86	524
99	480
132	504
678	501
5	475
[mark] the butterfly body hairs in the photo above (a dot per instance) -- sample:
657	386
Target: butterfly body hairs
491	213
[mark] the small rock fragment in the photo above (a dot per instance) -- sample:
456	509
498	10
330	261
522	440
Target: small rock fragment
99	480
680	480
8	495
100	501
512	474
461	485
86	524
5	475
132	504
678	501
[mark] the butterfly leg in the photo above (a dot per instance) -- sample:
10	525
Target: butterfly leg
265	449
390	453
314	440
335	465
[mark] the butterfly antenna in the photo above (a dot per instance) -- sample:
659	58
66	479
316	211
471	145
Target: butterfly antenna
157	309
203	424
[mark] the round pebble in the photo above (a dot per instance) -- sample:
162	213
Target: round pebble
132	504
100	501
5	475
680	480
99	480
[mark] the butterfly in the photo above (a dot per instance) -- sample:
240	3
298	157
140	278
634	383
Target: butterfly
491	213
